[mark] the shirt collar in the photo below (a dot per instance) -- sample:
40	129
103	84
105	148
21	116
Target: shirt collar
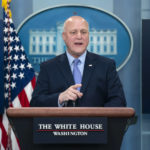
71	58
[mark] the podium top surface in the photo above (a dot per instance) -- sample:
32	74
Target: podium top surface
71	112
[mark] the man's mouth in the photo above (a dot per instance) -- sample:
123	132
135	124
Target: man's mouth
78	43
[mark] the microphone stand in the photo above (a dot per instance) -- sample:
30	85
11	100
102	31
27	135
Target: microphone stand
73	103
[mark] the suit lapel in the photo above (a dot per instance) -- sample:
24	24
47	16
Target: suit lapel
65	69
88	70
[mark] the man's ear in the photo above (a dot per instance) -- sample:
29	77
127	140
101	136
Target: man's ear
64	36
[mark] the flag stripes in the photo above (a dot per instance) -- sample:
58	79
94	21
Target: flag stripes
20	101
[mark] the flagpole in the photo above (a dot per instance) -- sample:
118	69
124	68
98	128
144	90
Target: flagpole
9	95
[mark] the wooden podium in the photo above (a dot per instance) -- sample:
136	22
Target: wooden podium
21	120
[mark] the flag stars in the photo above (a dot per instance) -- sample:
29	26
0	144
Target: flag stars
11	29
5	39
10	48
16	39
16	48
5	48
6	95
22	48
15	31
5	30
22	57
13	85
6	86
8	67
9	58
14	76
7	76
16	64
21	75
15	67
5	59
16	57
10	20
22	66
10	39
6	20
29	66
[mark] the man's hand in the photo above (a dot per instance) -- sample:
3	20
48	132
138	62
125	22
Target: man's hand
70	94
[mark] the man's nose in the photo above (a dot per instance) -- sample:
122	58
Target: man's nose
79	35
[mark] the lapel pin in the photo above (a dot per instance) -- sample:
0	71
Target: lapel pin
90	65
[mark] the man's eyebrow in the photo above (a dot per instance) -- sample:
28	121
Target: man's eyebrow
85	29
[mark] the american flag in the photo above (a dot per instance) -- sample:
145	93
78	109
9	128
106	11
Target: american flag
19	78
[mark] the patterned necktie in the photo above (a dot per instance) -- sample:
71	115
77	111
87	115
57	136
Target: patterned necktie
76	72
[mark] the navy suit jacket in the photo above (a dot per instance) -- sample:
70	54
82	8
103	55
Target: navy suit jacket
101	85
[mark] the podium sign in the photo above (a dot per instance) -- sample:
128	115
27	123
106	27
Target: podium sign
70	130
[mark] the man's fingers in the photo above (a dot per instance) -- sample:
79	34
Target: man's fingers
78	93
70	94
73	88
76	86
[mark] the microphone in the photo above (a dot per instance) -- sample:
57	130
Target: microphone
65	103
70	103
74	103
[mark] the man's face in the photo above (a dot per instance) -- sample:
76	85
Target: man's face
76	36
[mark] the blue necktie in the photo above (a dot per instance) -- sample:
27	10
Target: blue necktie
76	72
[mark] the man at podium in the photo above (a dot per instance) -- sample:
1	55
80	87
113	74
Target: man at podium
78	77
